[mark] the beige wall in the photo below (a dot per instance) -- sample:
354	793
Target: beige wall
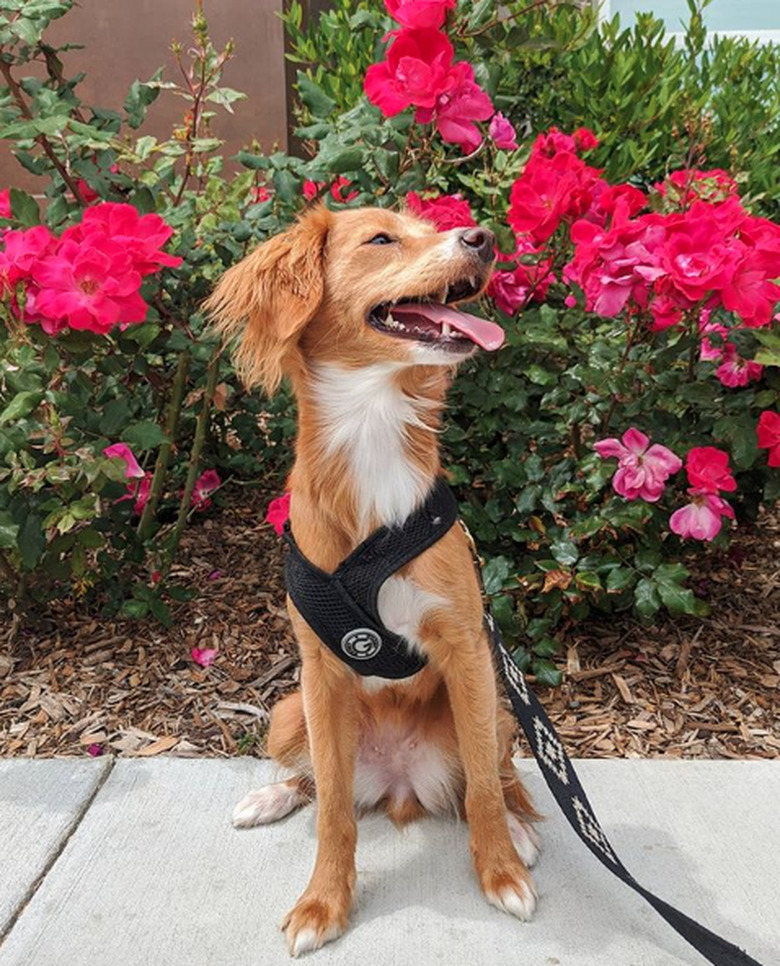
128	39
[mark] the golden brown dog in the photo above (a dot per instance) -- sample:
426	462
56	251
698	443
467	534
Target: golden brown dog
356	308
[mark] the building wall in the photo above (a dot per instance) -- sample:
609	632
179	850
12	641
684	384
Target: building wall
128	39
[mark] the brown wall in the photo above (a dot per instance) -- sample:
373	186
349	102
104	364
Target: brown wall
128	39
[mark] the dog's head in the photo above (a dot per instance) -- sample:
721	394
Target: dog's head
355	288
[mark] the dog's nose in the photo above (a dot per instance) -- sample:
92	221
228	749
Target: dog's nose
480	242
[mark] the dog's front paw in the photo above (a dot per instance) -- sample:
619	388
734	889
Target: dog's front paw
314	921
510	889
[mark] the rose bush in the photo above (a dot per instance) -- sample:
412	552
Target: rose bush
637	279
118	420
630	183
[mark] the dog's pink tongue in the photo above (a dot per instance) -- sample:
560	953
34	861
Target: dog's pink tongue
486	334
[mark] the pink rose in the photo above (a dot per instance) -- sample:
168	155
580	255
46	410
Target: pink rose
141	237
205	485
123	452
768	433
419	14
416	72
708	470
5	203
511	291
457	107
502	133
701	519
445	211
89	284
642	469
735	371
20	252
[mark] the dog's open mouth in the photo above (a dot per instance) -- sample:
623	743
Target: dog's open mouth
434	322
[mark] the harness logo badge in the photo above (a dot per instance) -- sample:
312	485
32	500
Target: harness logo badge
361	644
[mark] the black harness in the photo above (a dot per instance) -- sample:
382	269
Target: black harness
341	608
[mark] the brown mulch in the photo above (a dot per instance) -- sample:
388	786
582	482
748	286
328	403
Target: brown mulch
72	683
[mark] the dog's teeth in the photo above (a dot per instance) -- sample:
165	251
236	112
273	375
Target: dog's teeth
446	293
473	282
393	323
445	329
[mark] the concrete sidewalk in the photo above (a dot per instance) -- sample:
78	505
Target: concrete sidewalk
134	863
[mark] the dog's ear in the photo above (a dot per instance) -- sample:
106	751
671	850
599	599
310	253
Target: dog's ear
267	299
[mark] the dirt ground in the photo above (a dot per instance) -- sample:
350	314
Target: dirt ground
73	684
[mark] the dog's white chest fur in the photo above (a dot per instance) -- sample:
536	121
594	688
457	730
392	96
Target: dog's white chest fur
366	416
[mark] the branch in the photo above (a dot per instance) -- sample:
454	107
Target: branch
197	446
41	139
161	464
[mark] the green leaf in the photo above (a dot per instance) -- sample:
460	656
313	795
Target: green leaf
287	186
588	580
134	608
31	540
144	435
495	573
9	530
90	538
676	598
620	579
255	162
565	552
503	609
26	30
313	97
116	415
161	612
522	658
138	99
671	573
547	673
20	406
547	647
768	357
350	159
24	208
646	599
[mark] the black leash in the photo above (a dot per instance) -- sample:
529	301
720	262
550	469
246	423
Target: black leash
567	791
341	608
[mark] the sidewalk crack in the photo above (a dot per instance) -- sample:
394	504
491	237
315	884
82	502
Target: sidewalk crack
70	831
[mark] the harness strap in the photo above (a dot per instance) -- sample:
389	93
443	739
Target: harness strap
341	608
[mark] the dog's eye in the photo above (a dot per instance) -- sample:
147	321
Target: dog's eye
380	239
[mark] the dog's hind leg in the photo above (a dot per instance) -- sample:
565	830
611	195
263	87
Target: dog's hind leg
288	745
272	802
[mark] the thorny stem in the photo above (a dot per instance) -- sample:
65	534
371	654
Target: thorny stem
161	464
197	447
41	139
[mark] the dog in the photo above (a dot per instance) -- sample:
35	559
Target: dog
358	309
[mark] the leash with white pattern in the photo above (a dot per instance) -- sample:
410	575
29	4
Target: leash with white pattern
567	791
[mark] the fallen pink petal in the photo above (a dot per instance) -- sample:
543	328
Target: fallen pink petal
278	513
204	656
